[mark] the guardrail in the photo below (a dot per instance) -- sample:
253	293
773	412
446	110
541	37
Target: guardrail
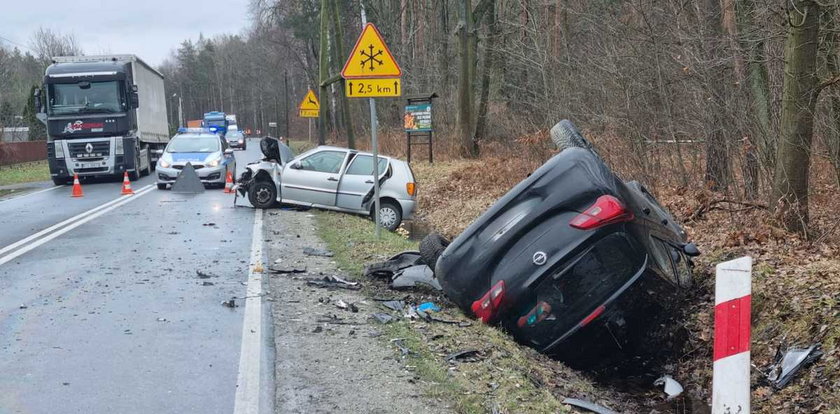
17	152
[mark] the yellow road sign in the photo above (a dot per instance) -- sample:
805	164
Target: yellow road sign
310	102
372	88
308	113
370	57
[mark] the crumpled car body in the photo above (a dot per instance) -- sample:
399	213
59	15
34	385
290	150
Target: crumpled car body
571	261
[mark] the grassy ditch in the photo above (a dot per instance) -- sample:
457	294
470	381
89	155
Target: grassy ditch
507	378
24	173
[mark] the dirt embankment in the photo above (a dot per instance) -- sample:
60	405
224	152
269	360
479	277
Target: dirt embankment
796	282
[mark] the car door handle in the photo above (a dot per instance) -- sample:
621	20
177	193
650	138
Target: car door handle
369	182
332	179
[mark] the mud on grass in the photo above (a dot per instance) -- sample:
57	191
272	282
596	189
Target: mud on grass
508	378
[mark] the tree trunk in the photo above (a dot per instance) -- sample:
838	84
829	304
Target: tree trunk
339	54
323	73
489	67
717	155
799	94
469	147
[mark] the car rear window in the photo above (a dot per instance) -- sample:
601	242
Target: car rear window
575	292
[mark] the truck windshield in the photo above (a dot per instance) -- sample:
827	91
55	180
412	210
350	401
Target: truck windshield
85	97
194	144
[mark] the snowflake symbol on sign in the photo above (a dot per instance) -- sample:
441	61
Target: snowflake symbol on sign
370	57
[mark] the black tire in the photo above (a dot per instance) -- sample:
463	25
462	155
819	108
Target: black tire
59	181
564	134
161	186
135	175
262	194
390	215
431	248
148	169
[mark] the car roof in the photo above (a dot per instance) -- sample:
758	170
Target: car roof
195	135
335	148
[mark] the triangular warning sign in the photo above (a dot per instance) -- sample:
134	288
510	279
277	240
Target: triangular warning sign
310	101
370	57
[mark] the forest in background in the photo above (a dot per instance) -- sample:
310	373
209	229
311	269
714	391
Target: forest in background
738	96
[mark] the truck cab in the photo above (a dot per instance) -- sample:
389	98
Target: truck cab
95	125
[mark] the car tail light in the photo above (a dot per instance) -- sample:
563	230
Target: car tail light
486	307
596	313
606	210
410	188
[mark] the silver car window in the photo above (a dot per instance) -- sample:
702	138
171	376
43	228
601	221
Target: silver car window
324	161
363	165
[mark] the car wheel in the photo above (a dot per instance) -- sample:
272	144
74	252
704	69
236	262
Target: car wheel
161	186
431	248
565	135
389	215
262	194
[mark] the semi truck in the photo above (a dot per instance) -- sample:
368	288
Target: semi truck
105	116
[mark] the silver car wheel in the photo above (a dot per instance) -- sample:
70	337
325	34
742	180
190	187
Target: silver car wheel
387	216
263	195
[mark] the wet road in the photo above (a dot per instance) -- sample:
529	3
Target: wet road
103	311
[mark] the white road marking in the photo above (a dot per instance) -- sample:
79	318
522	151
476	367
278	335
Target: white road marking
33	193
54	231
250	355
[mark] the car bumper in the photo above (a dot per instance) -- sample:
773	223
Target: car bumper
236	144
407	207
207	175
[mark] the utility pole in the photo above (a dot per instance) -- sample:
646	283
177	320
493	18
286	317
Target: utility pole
374	123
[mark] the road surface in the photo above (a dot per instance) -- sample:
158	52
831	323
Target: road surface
102	309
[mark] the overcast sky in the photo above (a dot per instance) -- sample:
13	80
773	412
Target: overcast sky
147	28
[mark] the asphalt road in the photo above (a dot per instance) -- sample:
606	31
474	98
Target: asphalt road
103	312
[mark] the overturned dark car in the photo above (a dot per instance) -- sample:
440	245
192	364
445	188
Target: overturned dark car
572	261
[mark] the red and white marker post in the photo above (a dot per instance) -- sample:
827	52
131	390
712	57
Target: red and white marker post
731	378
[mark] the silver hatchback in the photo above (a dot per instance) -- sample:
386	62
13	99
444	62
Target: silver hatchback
331	178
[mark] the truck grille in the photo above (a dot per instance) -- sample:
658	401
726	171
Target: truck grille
99	149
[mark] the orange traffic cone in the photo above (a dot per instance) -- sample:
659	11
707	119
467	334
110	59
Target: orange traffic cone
77	188
126	190
229	183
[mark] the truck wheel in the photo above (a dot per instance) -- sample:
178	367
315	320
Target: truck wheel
262	194
431	248
148	169
135	175
59	181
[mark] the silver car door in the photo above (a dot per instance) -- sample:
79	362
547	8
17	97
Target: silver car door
313	179
357	181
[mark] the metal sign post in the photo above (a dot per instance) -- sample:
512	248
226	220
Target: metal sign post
376	74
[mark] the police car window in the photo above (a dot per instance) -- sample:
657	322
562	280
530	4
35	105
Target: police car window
363	165
194	144
324	161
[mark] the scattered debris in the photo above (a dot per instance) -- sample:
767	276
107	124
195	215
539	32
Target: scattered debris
317	329
468	355
396	305
286	269
209	224
586	405
428	307
162	320
202	275
790	362
206	283
399	343
341	304
311	251
382	317
229	303
388	268
672	387
333	282
335	320
22	306
354	308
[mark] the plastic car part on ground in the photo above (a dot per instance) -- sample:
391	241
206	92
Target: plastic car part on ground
586	405
405	270
334	282
672	388
790	362
188	182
